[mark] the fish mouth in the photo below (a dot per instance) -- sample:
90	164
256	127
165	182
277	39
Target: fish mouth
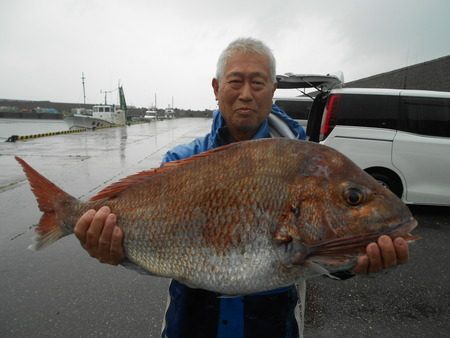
402	229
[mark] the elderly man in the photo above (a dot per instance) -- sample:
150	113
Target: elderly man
244	86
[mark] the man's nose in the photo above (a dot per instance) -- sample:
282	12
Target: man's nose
246	93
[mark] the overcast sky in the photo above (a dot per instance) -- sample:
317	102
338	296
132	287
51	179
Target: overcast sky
171	47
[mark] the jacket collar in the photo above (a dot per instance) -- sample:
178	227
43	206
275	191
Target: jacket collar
219	132
218	128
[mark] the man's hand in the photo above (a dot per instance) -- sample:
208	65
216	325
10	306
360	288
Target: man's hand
100	236
383	254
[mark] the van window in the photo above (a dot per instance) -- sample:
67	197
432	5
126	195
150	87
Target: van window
427	116
296	109
379	111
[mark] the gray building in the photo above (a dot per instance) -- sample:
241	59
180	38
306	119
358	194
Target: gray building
429	75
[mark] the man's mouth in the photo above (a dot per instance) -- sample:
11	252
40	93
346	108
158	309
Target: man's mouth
244	110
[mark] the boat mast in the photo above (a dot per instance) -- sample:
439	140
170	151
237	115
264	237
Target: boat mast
84	92
106	92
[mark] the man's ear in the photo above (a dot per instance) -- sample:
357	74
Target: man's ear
215	85
274	87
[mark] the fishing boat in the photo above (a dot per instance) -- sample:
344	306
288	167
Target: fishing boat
152	115
103	115
169	113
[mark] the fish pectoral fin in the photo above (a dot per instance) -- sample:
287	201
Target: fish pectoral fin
132	266
344	246
352	244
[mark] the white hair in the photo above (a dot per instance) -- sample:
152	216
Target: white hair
245	45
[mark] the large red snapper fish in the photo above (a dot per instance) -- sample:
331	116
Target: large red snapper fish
244	218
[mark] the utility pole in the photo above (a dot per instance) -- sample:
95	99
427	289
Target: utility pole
84	92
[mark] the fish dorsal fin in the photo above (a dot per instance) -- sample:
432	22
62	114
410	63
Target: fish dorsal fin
119	186
114	189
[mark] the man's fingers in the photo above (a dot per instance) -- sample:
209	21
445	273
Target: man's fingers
82	226
362	265
388	252
375	260
95	229
385	253
104	241
116	253
100	236
402	250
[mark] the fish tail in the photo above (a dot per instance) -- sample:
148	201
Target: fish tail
51	200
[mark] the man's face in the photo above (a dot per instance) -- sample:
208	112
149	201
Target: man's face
245	93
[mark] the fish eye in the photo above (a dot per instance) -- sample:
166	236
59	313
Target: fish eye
295	210
353	196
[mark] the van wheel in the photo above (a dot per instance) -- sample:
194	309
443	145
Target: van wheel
390	181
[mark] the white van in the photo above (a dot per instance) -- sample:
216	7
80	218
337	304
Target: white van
400	137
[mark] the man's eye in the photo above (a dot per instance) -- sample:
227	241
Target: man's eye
258	82
236	84
258	85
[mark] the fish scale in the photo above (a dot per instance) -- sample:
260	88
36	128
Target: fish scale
247	217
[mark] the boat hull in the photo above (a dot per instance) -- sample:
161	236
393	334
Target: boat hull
89	122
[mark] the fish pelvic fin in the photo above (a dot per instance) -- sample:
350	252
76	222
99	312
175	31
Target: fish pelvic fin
50	200
319	270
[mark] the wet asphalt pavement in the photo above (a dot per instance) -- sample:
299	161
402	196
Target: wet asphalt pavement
62	292
412	300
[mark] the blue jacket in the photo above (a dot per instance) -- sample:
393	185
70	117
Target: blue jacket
199	313
214	138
